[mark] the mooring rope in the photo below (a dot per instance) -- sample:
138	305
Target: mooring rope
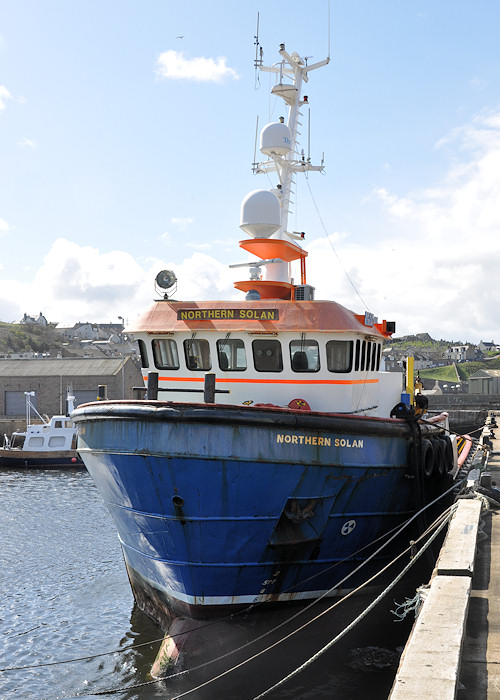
357	620
396	530
441	520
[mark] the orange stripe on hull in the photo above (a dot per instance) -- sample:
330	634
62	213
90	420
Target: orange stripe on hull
271	381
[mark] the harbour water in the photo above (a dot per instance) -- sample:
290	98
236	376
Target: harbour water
65	595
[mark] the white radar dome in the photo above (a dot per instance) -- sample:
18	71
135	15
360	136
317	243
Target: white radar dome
275	139
260	214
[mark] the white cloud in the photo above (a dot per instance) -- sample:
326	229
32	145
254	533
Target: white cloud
182	223
203	277
4	96
199	246
77	282
4	227
478	83
440	273
25	142
173	64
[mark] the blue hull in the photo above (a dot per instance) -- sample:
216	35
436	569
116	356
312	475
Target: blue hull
218	508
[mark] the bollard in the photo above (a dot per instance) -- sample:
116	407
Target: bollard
485	480
209	388
152	392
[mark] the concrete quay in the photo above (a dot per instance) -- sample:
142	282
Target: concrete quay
454	648
480	660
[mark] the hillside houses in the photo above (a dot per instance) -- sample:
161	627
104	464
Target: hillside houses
40	319
395	361
90	331
435	355
461	353
486	347
82	357
33	338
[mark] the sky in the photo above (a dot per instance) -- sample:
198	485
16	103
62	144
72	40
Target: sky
127	135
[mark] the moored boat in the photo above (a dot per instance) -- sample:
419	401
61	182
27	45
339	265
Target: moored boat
282	449
46	443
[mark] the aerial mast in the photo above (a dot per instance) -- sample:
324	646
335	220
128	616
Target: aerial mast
265	212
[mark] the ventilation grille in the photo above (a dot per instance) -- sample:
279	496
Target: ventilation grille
304	292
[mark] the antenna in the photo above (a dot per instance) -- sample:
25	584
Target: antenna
255	164
309	135
258	49
328	28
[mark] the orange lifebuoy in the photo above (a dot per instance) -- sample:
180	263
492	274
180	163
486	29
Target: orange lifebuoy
299	404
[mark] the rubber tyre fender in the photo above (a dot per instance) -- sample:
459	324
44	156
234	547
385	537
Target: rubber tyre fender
427	458
448	459
440	463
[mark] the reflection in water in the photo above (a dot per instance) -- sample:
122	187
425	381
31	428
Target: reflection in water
65	594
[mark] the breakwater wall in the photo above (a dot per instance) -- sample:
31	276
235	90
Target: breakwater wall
466	410
8	426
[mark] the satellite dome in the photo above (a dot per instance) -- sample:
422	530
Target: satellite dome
275	139
260	214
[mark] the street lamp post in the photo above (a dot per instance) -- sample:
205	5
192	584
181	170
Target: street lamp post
123	356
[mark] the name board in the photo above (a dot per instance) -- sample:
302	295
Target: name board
228	314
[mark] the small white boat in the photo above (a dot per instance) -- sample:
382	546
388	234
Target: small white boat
51	443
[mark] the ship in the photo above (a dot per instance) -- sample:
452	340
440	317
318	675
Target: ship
269	448
45	442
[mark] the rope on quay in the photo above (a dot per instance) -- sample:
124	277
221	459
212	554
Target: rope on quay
438	525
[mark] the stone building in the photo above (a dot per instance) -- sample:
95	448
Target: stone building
461	353
50	379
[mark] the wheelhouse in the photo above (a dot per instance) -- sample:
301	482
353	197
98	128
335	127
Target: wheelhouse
266	354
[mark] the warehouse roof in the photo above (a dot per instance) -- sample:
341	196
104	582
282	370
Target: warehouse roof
65	367
485	374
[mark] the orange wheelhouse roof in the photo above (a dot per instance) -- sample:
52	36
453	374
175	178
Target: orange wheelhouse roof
271	315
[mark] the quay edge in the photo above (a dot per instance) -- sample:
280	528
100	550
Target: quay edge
453	649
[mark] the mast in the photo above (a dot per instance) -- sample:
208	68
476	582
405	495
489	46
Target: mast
261	218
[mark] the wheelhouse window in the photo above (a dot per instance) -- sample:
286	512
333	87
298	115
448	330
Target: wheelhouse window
165	353
267	355
339	355
304	355
363	356
197	354
231	355
368	355
144	353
